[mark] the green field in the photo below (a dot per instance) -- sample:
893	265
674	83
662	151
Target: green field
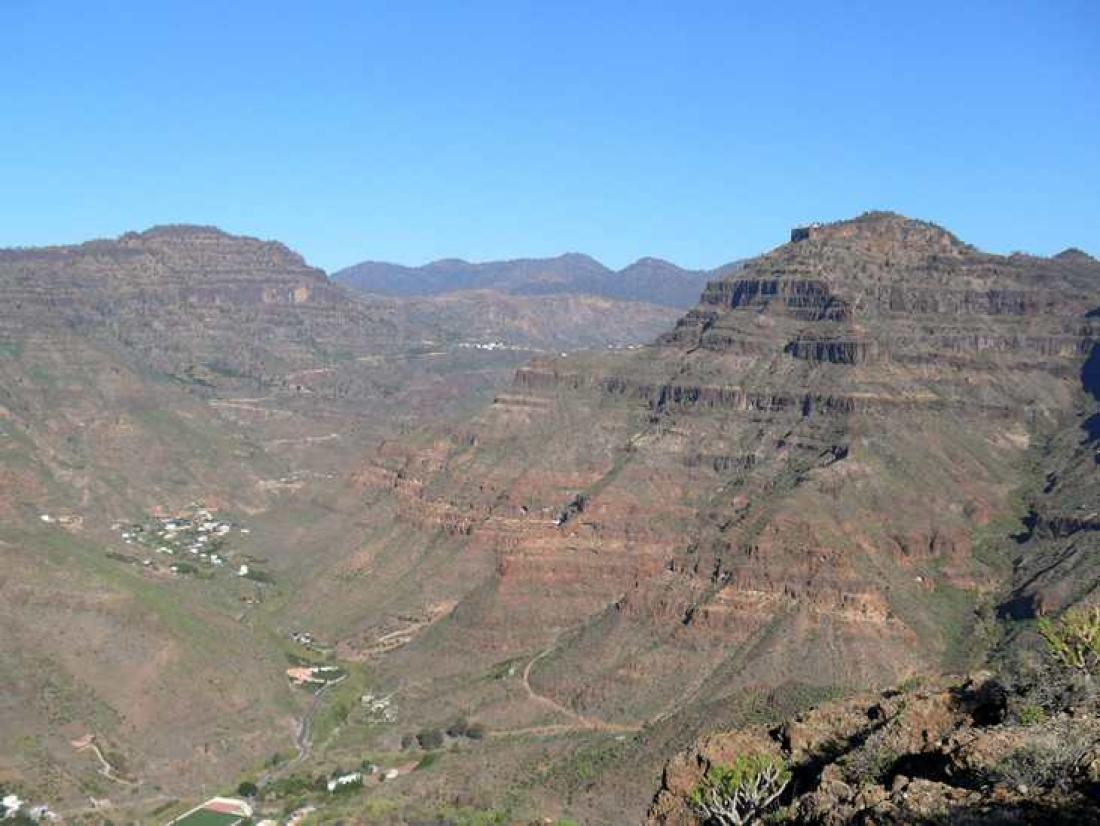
205	817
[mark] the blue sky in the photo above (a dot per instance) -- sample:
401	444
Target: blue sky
408	131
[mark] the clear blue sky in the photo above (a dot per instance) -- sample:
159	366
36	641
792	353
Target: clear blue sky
410	130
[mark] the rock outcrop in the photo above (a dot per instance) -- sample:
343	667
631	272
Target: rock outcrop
937	753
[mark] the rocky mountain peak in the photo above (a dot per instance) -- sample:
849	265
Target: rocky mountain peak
651	264
181	231
203	247
1075	255
862	284
439	264
580	258
880	233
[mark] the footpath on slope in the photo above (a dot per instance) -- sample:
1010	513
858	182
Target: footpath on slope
579	721
105	767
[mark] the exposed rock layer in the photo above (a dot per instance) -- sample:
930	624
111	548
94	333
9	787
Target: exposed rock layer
788	486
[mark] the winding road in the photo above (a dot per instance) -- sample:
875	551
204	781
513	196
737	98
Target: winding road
303	739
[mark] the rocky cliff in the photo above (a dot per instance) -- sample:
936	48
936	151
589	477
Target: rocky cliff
933	753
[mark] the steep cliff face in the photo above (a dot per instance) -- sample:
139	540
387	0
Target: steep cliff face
787	488
1057	562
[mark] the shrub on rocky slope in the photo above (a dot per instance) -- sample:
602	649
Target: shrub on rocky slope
936	754
990	750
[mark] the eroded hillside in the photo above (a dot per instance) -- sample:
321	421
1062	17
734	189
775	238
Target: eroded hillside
806	487
183	365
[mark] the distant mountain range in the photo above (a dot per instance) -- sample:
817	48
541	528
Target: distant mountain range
650	280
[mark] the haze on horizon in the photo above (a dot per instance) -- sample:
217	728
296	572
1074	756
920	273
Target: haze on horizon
410	133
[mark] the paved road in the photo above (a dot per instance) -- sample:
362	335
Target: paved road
303	739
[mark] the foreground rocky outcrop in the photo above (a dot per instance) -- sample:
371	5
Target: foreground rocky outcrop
938	753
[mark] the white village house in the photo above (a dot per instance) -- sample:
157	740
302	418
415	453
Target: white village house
11	804
343	780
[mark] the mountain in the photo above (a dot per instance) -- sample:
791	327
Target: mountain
855	460
452	274
809	485
140	375
648	280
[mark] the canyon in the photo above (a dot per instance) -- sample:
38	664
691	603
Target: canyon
866	455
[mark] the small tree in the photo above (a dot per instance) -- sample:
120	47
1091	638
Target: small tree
1074	640
431	738
740	793
247	789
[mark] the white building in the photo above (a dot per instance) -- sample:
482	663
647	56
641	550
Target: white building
345	780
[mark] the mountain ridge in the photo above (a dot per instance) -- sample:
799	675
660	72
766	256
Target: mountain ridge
648	279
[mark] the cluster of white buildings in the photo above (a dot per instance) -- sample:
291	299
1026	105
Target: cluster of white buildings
489	345
65	520
11	805
307	640
315	674
379	709
198	533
